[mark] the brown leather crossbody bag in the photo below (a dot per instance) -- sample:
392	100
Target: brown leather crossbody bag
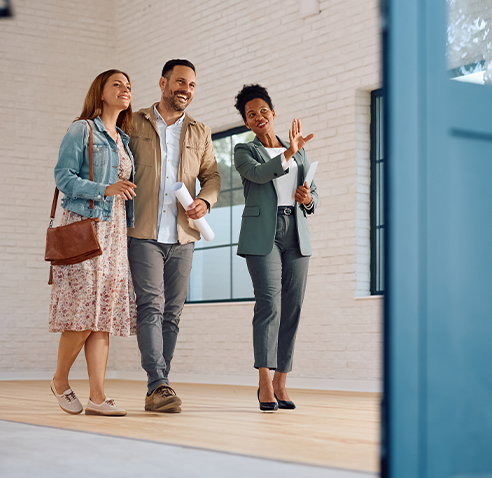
75	242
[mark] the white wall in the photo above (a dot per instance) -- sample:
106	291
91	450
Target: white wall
319	69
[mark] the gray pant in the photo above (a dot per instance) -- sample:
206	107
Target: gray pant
160	275
279	282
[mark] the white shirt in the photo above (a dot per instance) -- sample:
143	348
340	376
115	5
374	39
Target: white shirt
167	220
286	184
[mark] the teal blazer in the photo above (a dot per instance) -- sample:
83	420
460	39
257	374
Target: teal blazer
259	221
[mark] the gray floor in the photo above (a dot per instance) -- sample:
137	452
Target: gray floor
37	451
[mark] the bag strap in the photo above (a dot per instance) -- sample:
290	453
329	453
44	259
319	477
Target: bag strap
91	171
91	178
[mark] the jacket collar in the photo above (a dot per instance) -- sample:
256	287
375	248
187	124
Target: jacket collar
149	114
262	150
99	125
266	157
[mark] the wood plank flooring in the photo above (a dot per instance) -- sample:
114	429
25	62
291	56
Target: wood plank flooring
335	429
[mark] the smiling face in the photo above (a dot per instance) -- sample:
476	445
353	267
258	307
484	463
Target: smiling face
259	117
179	88
117	92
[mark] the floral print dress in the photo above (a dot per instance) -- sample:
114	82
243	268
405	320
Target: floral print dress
98	294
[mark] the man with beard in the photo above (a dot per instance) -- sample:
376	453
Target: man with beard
168	146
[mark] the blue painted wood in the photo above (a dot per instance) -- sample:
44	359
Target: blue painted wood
438	315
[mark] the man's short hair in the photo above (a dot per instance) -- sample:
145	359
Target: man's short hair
169	66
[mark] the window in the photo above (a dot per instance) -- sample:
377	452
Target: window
218	274
377	194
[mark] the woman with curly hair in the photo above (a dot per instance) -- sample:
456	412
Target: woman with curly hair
274	238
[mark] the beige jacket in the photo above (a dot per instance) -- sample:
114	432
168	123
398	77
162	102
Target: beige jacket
196	160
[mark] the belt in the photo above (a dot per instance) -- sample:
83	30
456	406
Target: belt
285	210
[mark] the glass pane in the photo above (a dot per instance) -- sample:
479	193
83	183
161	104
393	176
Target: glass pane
215	276
223	153
245	137
469	40
380	259
210	277
237	212
219	220
242	288
236	179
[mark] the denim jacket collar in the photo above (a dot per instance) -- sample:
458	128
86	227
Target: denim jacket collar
100	126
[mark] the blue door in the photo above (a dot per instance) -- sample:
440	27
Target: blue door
437	413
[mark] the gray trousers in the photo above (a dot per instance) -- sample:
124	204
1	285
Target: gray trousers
279	282
160	275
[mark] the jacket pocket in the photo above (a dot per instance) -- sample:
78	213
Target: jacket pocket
192	158
251	211
100	156
144	153
100	153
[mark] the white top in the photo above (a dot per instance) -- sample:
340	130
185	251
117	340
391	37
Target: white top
287	184
167	220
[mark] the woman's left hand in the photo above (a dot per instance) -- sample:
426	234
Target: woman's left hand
303	194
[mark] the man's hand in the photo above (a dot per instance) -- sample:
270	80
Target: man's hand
197	209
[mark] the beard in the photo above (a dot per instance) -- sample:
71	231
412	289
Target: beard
172	101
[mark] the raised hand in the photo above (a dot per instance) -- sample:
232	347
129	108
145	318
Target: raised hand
296	139
121	188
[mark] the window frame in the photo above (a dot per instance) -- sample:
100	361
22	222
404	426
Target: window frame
216	136
377	216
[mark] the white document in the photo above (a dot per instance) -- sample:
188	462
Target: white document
184	197
310	173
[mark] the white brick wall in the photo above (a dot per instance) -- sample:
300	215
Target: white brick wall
320	69
50	52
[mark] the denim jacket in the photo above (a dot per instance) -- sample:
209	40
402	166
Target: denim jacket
72	170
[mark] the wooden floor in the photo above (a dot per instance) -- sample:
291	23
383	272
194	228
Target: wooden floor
335	429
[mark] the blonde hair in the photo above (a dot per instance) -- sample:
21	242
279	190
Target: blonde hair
93	104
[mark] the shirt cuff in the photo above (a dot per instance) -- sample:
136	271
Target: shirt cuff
310	205
286	164
207	203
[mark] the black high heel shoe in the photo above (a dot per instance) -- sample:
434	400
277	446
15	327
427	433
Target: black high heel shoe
267	406
285	404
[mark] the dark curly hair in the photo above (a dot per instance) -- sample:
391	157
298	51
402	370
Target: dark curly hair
248	93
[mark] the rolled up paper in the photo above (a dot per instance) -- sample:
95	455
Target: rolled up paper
184	197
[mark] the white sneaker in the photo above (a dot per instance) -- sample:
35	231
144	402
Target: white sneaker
67	400
107	408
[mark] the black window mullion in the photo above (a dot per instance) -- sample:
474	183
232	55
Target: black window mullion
377	193
230	222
